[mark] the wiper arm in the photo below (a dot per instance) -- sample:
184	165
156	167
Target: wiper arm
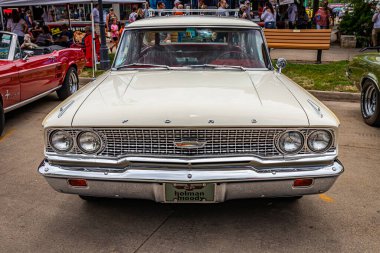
147	65
215	66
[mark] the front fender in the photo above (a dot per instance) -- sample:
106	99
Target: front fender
370	76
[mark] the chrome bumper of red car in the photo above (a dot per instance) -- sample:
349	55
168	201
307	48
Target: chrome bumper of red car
230	183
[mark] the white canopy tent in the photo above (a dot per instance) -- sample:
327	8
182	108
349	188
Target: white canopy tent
18	3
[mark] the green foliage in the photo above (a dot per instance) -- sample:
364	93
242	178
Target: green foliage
325	77
359	21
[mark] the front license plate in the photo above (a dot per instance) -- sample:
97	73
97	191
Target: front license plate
189	193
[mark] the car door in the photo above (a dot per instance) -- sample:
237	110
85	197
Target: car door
37	74
9	82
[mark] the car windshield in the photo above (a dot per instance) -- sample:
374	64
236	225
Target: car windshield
213	48
5	45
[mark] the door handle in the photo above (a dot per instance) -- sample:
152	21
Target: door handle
52	58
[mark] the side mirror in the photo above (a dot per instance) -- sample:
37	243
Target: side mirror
281	64
26	54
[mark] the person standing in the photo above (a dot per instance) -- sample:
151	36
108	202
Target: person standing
95	17
242	11
133	15
322	18
292	15
114	34
222	8
17	25
330	13
29	19
376	27
109	19
268	16
160	7
148	12
303	18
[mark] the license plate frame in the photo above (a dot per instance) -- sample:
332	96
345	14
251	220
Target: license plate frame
189	192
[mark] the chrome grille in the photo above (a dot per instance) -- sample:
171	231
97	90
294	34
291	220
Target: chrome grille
159	142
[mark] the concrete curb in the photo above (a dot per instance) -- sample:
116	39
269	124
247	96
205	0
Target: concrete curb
85	80
321	95
336	96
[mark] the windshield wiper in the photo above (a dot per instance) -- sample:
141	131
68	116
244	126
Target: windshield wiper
214	66
143	65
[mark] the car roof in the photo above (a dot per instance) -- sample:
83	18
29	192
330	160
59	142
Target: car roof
194	20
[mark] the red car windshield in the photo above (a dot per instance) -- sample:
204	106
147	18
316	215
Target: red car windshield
187	47
5	45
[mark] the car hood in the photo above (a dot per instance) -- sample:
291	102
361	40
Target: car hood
189	98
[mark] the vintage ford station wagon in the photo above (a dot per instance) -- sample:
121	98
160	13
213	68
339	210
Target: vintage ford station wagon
192	111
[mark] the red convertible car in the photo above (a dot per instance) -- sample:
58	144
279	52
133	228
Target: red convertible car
27	75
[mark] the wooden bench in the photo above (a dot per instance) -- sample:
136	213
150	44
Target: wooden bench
299	39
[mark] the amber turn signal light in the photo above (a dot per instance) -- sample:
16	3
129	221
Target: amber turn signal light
77	182
303	182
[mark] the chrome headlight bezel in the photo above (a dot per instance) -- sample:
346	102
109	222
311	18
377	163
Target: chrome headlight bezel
80	144
67	135
281	148
328	146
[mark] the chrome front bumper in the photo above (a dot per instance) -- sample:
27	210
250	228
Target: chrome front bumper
231	182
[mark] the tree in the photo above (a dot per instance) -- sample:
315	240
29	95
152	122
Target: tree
358	21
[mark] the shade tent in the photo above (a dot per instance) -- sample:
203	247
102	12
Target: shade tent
17	3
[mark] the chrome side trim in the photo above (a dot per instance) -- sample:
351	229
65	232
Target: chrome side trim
315	107
30	100
64	108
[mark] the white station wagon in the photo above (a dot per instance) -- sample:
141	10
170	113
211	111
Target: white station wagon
192	111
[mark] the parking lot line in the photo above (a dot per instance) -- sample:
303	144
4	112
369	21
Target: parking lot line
6	134
326	198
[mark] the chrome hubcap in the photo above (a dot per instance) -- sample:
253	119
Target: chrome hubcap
73	82
370	101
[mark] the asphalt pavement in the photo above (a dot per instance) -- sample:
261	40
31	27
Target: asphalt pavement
34	218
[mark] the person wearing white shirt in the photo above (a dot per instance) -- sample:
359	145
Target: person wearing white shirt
376	27
222	8
269	16
95	17
292	15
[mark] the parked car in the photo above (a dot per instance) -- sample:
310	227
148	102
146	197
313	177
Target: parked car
364	72
28	75
183	119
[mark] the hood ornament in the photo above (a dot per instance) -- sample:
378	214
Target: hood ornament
190	144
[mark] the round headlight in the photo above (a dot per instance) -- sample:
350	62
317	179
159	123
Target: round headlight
61	141
319	141
290	142
89	142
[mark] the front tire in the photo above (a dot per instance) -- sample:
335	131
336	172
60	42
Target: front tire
2	119
70	84
370	103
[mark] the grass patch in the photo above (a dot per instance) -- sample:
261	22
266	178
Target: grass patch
87	72
324	77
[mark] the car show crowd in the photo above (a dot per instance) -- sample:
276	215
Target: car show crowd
33	32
